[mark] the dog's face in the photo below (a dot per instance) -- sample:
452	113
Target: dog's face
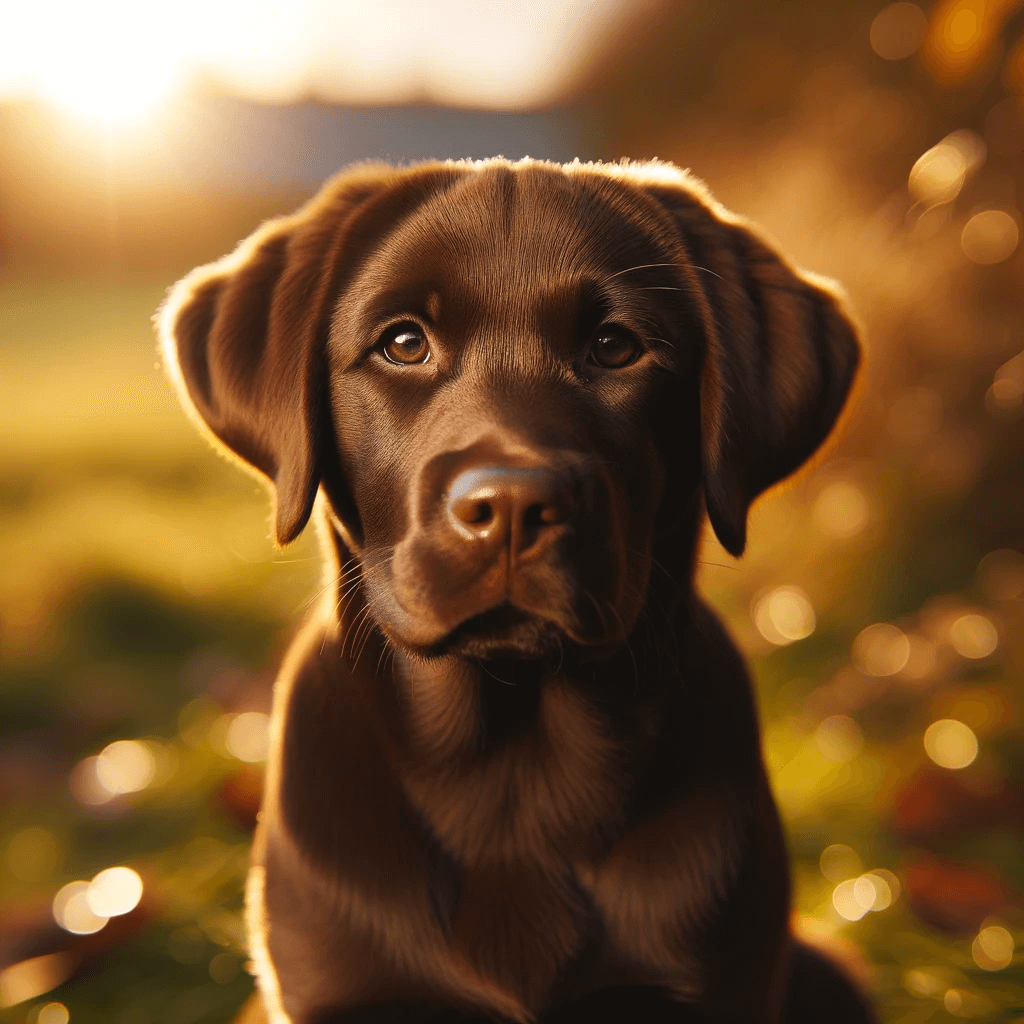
509	379
496	369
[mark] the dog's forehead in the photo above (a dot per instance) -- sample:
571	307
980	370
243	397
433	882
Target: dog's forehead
509	237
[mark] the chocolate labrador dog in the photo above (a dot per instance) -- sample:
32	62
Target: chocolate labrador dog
515	767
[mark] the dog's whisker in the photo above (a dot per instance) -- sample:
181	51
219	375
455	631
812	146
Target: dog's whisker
367	630
707	270
316	595
353	627
385	652
641	266
335	581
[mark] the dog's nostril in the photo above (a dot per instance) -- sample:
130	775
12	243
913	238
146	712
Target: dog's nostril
473	513
510	504
547	514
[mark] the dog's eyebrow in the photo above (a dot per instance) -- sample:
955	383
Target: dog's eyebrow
599	299
420	299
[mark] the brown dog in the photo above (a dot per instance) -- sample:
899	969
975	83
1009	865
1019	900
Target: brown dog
515	766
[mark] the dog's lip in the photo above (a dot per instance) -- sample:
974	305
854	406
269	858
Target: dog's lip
500	622
501	618
496	626
408	631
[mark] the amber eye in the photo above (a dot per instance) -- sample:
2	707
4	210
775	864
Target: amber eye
406	346
614	348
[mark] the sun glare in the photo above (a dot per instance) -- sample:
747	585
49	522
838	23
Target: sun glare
115	61
108	62
111	97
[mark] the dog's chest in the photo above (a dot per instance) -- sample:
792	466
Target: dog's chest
552	794
523	929
527	827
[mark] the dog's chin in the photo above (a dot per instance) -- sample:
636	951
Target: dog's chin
505	632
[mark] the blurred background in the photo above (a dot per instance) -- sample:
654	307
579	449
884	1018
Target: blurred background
143	607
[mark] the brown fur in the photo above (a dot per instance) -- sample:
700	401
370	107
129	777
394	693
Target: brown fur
515	768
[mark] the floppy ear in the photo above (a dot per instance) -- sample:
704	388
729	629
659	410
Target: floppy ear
780	356
245	340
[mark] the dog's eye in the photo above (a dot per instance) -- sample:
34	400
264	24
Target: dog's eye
614	348
406	346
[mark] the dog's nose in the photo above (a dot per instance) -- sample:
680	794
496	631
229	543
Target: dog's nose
508	505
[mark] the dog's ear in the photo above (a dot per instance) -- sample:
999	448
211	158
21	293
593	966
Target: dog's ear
780	356
245	340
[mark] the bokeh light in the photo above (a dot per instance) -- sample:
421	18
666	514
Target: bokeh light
993	948
872	892
85	785
839	862
950	743
891	883
1005	398
880	650
961	36
922	659
224	968
1001	575
939	174
784	615
898	31
841	509
52	1013
925	981
844	899
114	891
857	892
248	736
990	236
125	766
953	1000
72	912
973	636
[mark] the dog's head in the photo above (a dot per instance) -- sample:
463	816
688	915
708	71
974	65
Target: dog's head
509	380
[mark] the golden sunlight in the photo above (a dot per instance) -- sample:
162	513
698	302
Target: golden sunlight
114	61
109	61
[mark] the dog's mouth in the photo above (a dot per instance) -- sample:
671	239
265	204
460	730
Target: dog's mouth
504	632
